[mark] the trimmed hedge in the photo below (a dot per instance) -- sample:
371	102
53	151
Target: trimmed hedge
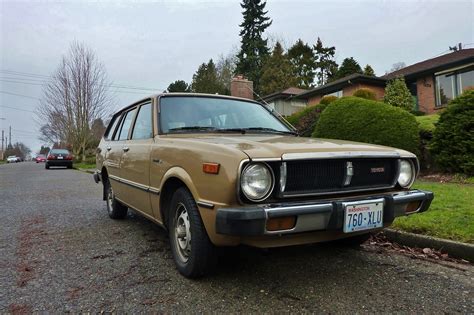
453	138
305	120
358	119
426	125
368	94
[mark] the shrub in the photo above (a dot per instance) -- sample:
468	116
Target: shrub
368	94
357	119
426	126
305	120
328	99
453	138
398	95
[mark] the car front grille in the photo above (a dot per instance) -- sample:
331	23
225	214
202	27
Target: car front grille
339	175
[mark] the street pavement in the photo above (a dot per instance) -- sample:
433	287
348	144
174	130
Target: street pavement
60	252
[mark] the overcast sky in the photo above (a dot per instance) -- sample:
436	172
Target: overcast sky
151	44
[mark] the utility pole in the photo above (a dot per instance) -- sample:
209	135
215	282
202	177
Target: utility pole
10	136
1	157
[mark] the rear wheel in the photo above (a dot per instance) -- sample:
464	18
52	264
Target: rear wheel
69	166
115	209
193	252
46	166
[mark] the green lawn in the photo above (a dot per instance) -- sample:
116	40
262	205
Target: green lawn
84	165
427	122
450	216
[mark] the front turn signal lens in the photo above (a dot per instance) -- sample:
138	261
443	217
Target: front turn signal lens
280	224
210	168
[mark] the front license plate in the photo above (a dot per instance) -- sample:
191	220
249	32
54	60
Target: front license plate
60	157
359	216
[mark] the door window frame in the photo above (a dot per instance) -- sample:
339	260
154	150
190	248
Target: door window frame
139	107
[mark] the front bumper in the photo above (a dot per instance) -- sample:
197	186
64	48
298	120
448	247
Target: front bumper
313	216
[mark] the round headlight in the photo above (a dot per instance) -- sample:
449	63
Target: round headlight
407	173
256	181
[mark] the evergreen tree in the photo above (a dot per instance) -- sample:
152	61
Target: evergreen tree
206	79
369	71
349	66
397	94
325	64
253	50
277	72
178	86
302	58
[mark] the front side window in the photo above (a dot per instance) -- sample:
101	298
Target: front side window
127	122
143	124
188	114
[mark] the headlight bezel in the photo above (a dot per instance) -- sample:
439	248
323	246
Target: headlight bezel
413	173
271	187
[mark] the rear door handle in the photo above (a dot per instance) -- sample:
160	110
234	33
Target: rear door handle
125	149
109	148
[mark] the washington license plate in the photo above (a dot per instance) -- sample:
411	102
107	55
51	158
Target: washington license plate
363	215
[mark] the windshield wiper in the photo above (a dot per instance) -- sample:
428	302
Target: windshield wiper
271	130
195	128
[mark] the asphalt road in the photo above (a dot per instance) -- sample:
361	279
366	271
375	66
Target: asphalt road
59	251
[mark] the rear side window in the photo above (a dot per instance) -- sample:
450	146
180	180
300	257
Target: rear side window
143	124
127	122
113	125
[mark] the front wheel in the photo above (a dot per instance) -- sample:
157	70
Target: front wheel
115	209
193	252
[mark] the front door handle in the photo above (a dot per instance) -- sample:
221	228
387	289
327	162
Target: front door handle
109	148
125	149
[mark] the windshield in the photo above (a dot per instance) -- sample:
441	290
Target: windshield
195	114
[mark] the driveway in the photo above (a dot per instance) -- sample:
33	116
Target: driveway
59	251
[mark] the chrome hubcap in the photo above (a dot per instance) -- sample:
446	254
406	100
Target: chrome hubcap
182	233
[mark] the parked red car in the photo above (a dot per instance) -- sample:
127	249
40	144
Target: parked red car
59	157
40	158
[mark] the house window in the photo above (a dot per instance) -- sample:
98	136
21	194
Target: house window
451	85
466	81
336	94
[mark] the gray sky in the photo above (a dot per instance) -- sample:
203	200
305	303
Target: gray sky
150	44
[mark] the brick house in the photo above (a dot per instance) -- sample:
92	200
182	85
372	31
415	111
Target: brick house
433	82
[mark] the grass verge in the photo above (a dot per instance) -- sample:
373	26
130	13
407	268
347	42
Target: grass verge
84	165
450	216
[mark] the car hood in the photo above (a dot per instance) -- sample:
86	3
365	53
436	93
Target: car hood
275	146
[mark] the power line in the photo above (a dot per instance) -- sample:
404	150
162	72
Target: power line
23	110
40	76
22	95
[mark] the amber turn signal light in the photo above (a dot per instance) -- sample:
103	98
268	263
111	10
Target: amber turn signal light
283	223
210	168
412	206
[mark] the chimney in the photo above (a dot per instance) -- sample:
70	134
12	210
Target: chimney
241	87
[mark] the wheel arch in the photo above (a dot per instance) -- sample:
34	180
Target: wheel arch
174	179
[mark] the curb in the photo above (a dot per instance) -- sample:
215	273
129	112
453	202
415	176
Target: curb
85	170
452	248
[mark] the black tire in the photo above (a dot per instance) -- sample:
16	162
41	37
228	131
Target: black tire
46	166
199	258
353	241
115	209
69	166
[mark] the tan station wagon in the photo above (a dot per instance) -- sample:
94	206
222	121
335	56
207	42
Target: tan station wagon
223	171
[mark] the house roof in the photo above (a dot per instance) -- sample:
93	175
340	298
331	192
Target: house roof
341	83
434	64
291	91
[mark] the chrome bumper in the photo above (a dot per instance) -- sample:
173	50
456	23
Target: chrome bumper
313	216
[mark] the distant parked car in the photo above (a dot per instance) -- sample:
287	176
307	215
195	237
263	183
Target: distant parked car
59	157
40	158
13	159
